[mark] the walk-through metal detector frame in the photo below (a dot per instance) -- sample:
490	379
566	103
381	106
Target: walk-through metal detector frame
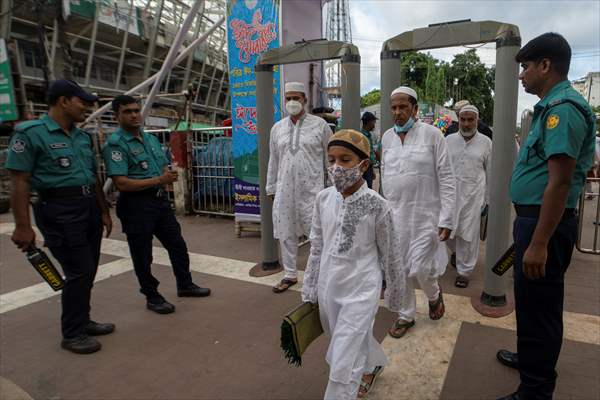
305	51
493	300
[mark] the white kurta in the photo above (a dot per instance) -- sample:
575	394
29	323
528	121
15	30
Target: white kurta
296	172
418	182
350	247
471	163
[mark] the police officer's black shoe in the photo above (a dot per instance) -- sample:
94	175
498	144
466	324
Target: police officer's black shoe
513	396
508	358
94	328
160	306
193	290
81	344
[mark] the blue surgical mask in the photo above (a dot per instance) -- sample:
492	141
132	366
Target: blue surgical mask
406	127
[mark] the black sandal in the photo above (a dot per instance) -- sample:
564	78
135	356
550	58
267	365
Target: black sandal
461	282
433	308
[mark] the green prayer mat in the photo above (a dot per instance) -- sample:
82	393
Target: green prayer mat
300	327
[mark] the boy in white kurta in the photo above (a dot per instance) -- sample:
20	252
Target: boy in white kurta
470	153
350	248
296	173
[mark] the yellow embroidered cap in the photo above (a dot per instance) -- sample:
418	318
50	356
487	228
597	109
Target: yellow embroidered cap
353	140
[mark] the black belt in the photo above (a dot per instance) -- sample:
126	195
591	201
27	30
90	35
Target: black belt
64	192
534	211
151	192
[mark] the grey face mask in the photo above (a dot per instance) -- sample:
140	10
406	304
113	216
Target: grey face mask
343	178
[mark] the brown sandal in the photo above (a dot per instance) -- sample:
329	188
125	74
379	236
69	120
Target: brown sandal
284	285
403	327
434	307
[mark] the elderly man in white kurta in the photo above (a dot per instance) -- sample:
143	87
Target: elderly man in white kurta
296	173
470	153
418	182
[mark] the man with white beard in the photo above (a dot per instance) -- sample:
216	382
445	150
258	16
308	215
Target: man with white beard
470	153
296	173
419	184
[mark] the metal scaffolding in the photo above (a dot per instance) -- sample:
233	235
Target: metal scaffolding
338	28
109	46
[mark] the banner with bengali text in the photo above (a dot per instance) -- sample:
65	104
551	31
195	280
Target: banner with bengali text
252	28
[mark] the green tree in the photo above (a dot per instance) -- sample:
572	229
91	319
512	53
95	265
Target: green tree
474	82
440	85
414	68
373	97
466	77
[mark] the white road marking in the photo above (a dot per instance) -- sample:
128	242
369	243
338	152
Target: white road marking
578	327
41	291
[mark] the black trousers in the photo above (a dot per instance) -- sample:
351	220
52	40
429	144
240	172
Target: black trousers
143	215
539	307
368	176
72	230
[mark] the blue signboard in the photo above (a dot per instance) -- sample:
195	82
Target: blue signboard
252	28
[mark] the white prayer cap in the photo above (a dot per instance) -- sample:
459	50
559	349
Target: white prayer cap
469	108
295	87
405	90
460	104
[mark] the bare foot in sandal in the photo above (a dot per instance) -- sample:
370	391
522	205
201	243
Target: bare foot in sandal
368	380
400	328
437	308
284	285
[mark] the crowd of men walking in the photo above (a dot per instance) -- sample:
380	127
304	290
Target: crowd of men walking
434	189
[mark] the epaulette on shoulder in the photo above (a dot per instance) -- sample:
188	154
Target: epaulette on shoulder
579	107
25	126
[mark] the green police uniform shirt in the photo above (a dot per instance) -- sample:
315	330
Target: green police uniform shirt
369	136
558	127
53	157
127	155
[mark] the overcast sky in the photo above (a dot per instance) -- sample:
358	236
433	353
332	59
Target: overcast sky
374	21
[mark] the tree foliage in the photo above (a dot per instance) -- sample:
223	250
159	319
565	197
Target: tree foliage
436	81
373	97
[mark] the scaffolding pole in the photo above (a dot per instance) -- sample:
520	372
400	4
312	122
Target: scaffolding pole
172	55
123	48
88	68
150	80
152	45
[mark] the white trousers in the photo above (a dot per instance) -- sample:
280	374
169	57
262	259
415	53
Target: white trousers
431	288
466	254
289	256
345	391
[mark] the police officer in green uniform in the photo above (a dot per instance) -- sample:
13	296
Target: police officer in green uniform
368	124
546	183
136	163
56	159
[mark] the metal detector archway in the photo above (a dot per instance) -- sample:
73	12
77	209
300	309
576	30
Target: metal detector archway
314	50
508	42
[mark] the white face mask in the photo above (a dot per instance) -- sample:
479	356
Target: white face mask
343	178
293	107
